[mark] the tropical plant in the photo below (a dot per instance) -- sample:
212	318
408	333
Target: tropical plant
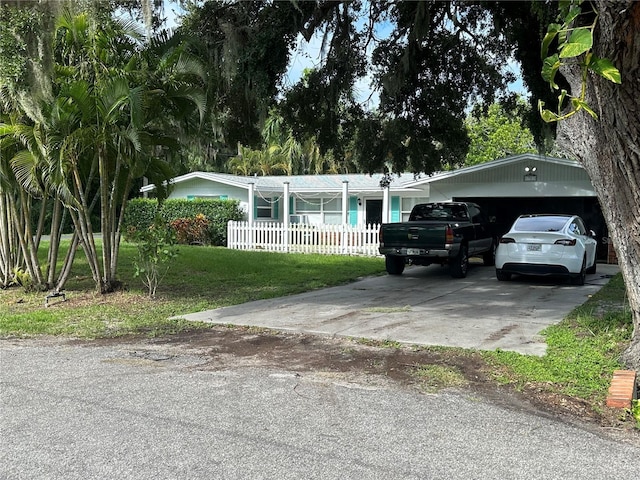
113	116
156	249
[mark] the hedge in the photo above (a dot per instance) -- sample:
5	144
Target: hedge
140	213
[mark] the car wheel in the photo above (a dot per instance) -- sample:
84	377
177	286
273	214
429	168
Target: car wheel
580	277
592	268
502	276
394	264
460	264
489	258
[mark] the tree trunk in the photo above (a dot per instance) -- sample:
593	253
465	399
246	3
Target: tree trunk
6	235
609	147
65	271
54	240
105	221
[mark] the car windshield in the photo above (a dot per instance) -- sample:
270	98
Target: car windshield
540	224
436	211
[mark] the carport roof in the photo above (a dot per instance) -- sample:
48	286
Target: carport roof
501	162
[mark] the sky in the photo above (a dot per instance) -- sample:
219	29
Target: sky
309	55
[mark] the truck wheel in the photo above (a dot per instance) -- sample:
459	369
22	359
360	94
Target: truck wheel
394	264
489	257
460	264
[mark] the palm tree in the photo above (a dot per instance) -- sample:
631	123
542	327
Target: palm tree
128	100
114	116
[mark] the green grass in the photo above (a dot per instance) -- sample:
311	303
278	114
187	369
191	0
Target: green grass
200	278
582	350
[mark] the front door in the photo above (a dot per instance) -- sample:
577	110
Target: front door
373	211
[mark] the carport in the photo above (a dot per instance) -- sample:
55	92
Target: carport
523	184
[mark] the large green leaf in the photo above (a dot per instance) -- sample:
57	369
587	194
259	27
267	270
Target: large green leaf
579	104
604	68
550	67
552	32
580	41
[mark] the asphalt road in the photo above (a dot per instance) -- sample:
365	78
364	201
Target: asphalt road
130	412
425	306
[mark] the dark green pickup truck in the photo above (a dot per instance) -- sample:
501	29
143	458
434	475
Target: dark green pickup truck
440	233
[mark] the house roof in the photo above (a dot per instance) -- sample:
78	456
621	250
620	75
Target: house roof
299	183
333	183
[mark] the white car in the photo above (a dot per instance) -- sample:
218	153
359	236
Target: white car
547	245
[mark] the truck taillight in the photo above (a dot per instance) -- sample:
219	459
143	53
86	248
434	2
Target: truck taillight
448	235
380	235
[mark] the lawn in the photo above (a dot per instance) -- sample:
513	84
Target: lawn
200	278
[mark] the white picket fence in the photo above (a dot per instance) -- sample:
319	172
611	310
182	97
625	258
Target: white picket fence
301	238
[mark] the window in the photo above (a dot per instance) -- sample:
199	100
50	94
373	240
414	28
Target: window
439	211
540	224
308	205
477	216
263	208
407	205
320	210
577	228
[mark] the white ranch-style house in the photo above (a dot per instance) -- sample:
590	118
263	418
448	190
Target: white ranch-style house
345	204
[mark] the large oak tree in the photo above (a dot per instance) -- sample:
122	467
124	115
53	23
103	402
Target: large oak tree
609	146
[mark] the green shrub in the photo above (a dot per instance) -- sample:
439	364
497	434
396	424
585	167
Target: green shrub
140	214
156	249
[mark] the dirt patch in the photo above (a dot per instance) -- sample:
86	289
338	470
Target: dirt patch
224	347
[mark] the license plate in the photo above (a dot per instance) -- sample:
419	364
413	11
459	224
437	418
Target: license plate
413	251
534	247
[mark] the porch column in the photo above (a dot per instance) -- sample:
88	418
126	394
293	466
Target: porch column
250	216
345	213
250	203
345	201
385	205
285	213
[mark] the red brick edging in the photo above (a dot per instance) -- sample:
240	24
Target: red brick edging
622	389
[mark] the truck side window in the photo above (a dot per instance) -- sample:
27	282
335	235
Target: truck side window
476	214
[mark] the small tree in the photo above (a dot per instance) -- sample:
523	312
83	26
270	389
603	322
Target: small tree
156	249
497	133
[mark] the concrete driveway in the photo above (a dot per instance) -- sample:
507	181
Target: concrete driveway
425	306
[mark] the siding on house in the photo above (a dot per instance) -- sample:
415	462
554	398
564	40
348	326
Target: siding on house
505	178
199	187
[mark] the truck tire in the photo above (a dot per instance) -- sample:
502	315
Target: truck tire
489	257
460	264
394	264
